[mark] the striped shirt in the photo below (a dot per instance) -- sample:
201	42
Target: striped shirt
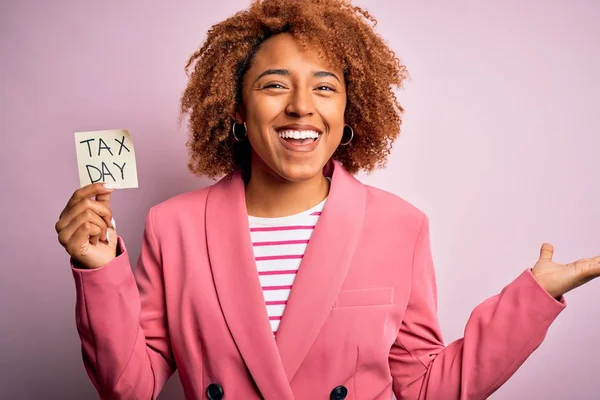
279	245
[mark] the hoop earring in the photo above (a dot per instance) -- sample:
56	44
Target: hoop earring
235	136
351	136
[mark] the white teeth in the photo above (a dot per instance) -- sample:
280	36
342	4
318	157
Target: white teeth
291	134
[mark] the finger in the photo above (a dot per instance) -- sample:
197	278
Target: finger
94	239
595	269
585	261
86	217
588	268
101	209
546	252
65	236
86	192
104	198
83	233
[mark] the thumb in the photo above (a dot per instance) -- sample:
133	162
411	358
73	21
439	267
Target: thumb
104	197
546	252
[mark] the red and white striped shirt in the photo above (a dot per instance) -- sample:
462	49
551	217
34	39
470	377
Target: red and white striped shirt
279	245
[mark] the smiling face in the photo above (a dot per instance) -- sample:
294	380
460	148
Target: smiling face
293	104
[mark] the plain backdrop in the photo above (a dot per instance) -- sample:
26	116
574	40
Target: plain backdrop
499	146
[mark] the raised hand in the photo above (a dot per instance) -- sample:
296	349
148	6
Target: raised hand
558	279
83	225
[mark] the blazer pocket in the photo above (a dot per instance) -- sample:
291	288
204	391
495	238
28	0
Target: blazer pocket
365	297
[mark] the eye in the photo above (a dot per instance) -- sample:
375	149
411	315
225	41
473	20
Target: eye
274	86
326	88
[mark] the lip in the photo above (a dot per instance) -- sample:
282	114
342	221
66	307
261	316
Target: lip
299	147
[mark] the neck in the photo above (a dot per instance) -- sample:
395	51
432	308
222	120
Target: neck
270	196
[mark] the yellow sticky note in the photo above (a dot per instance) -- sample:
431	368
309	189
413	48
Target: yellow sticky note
106	156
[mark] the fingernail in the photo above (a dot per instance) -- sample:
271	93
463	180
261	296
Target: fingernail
111	186
107	238
113	223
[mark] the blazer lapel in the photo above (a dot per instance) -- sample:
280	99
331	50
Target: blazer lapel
323	269
238	287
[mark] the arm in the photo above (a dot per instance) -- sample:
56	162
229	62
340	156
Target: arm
500	334
123	325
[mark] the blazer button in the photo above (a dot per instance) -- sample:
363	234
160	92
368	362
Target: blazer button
339	393
214	391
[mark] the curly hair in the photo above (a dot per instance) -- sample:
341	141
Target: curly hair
342	32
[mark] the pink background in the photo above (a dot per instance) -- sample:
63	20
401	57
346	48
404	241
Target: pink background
499	147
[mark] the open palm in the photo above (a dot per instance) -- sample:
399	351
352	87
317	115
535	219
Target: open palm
557	278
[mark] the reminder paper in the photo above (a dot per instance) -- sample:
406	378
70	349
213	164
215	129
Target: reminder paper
106	156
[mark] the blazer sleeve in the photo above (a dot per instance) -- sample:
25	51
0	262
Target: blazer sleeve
122	323
499	336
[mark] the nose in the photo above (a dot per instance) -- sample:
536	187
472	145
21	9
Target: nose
300	103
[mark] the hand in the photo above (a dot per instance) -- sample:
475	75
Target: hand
558	279
83	225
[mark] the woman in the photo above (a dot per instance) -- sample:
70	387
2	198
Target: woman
289	279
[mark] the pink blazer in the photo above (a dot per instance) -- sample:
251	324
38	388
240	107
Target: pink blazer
360	322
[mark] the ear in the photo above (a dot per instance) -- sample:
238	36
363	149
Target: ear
238	116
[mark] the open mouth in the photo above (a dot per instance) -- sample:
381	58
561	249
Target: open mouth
299	137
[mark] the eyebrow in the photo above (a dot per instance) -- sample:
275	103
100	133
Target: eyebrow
286	72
